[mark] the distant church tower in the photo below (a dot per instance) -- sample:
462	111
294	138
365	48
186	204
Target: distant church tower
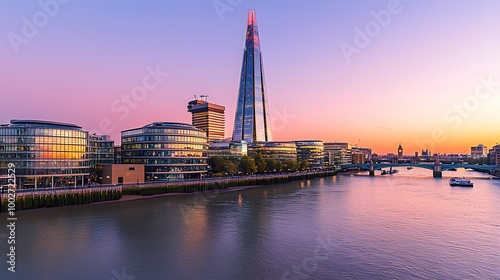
400	151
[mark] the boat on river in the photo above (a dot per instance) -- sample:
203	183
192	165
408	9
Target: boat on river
461	182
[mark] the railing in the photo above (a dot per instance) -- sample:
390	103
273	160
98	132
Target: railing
168	182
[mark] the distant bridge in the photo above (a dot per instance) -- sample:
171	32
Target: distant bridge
436	167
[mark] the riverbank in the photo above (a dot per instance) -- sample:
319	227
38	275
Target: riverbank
66	197
20	201
132	197
220	183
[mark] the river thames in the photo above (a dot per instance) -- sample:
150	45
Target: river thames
402	226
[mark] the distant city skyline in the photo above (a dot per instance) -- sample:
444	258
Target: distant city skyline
425	73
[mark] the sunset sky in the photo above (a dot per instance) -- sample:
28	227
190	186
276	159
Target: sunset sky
428	76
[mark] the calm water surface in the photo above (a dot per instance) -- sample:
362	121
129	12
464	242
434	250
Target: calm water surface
404	226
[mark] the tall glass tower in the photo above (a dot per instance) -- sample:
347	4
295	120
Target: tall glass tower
252	122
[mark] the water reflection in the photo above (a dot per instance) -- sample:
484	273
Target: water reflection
406	225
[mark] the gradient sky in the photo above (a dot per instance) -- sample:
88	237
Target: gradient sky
401	87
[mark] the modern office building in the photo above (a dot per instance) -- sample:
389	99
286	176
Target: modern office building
311	151
45	153
100	151
367	152
169	151
337	153
358	157
494	155
228	149
208	117
479	151
274	150
252	122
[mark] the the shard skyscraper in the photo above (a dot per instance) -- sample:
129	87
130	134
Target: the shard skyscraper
252	122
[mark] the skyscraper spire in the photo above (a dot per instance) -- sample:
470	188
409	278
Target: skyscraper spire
252	122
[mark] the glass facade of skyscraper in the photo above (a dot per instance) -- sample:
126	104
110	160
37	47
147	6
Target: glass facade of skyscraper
169	151
46	154
252	122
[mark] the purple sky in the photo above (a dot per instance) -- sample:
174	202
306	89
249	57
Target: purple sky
416	80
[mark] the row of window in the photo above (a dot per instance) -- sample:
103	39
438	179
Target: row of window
43	155
149	153
47	171
277	155
168	131
43	140
177	161
100	156
101	145
35	148
46	181
43	163
174	169
172	176
164	146
100	152
42	132
163	138
309	144
288	150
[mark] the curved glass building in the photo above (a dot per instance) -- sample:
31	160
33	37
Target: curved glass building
312	152
274	150
169	151
46	154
